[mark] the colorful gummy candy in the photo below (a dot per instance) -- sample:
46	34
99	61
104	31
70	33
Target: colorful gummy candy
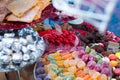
68	66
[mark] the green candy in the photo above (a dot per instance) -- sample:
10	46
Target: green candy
71	77
53	62
98	58
57	70
93	52
87	49
50	58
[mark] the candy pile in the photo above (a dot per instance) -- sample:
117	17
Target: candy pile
115	63
19	48
59	40
76	65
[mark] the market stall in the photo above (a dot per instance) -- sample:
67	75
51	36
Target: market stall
58	40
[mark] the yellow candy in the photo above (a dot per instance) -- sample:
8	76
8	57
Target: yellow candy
117	54
79	78
72	62
60	63
65	70
58	78
67	73
52	74
66	63
72	69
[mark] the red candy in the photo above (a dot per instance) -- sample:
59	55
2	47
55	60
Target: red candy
56	39
112	57
117	71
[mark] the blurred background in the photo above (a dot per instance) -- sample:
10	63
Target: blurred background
114	23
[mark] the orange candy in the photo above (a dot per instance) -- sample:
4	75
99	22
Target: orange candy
113	63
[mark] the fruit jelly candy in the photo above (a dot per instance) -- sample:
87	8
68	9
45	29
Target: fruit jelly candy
117	54
57	58
79	78
103	77
67	56
62	54
57	70
65	70
81	64
74	54
113	63
60	63
58	78
53	62
78	72
96	75
67	73
66	63
49	66
112	57
49	57
86	77
87	49
72	62
72	69
52	74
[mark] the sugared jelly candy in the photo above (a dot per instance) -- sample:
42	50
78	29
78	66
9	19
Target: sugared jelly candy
65	69
58	78
79	78
52	74
49	57
74	54
60	63
103	77
112	57
57	56
81	64
72	62
72	69
117	54
49	66
96	76
67	73
113	63
66	63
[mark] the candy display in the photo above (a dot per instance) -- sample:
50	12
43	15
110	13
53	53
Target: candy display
54	38
76	65
19	48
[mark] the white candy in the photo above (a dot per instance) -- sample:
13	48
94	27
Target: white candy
26	57
7	42
29	38
9	35
7	51
23	41
1	46
5	59
16	46
31	47
24	49
17	57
